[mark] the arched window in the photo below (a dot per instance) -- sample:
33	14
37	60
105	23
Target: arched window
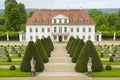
81	21
39	21
74	21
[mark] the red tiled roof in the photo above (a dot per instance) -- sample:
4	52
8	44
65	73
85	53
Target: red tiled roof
70	13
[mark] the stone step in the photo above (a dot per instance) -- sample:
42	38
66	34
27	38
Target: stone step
60	74
60	60
59	67
60	55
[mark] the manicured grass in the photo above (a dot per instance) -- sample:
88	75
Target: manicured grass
111	63
115	72
15	73
16	57
10	63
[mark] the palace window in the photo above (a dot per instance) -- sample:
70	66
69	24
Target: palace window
33	21
55	29
45	21
42	29
60	29
89	29
83	29
37	37
81	21
89	37
65	29
83	37
60	21
31	38
48	30
36	30
74	21
39	21
54	20
65	37
55	37
65	21
30	29
77	29
71	29
77	36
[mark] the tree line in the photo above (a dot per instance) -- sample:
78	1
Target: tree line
105	21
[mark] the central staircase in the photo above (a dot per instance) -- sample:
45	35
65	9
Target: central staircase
60	66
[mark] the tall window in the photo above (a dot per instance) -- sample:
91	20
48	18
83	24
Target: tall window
54	20
83	29
55	30
48	30
42	29
60	29
77	29
36	30
89	29
65	21
83	37
60	21
71	29
36	37
65	29
30	29
89	37
31	38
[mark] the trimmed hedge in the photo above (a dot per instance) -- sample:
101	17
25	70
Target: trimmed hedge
88	51
41	50
31	51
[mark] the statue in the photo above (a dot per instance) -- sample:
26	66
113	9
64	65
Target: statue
33	62
89	67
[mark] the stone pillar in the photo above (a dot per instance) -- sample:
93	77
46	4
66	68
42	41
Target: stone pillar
20	37
100	36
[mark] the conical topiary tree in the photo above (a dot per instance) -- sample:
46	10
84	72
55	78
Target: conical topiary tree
41	50
88	51
46	48
77	51
71	45
31	51
74	46
68	44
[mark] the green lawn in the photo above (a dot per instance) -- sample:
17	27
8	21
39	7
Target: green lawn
15	73
111	63
115	72
10	63
16	57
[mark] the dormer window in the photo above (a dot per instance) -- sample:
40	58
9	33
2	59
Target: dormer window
74	21
80	15
45	21
39	21
81	21
33	21
86	21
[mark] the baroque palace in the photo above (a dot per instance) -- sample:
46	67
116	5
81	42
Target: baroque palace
60	24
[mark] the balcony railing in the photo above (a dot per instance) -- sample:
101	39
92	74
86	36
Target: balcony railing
60	34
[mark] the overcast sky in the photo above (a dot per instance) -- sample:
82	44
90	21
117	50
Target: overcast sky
68	3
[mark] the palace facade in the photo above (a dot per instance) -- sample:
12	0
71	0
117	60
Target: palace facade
60	24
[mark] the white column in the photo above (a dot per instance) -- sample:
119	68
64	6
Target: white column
114	37
100	37
20	37
7	36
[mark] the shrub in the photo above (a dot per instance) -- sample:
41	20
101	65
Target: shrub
111	59
31	51
88	51
9	59
77	51
113	55
74	47
101	55
41	50
12	67
19	54
7	55
108	67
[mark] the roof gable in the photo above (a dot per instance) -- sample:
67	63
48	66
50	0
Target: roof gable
60	16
